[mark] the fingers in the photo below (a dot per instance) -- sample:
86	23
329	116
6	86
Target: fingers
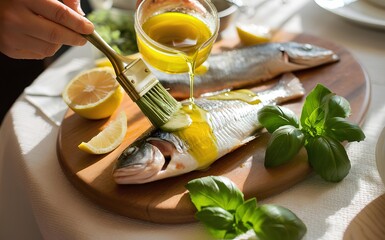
74	5
24	54
51	32
26	47
27	54
26	34
61	14
16	43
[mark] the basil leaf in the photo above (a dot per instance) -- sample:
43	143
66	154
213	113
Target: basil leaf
328	158
342	130
338	107
276	222
216	217
218	234
314	124
245	215
313	101
269	221
215	191
283	145
272	117
217	221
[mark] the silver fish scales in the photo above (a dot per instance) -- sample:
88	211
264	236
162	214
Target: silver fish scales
247	66
160	154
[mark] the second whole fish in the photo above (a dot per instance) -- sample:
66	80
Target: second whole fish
247	66
219	124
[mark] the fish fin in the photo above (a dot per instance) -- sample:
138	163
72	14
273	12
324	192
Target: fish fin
248	139
288	88
293	84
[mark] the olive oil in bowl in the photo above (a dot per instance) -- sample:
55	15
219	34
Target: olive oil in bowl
184	39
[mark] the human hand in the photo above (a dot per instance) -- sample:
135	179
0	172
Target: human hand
37	29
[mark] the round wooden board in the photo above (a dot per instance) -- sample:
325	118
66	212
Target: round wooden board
167	201
369	224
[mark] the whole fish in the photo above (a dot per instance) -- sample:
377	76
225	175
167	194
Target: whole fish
223	124
247	66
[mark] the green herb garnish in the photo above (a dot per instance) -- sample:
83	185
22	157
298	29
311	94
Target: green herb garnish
224	212
321	130
116	27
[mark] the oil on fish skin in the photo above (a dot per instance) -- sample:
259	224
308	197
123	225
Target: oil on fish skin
220	124
248	66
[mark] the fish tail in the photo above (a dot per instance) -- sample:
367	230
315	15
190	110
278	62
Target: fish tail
288	88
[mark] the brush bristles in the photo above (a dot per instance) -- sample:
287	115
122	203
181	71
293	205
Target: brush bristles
158	105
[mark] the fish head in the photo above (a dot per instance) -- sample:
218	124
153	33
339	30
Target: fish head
307	55
139	161
152	159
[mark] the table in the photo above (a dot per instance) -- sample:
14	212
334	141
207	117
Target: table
38	202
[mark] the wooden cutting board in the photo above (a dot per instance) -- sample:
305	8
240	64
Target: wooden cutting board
369	224
167	201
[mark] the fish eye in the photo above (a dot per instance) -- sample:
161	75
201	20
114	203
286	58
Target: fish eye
307	47
132	150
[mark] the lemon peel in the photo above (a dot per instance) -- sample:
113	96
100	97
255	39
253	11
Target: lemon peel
109	138
94	94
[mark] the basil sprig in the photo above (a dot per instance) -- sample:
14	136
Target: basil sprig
224	212
321	130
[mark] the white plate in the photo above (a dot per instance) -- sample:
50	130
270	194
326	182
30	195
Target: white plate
358	11
380	155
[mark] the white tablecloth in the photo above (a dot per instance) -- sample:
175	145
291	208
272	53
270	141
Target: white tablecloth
38	202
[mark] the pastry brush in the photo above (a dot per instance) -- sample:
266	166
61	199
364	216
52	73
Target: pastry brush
139	83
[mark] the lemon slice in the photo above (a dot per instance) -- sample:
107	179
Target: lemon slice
109	138
94	94
251	34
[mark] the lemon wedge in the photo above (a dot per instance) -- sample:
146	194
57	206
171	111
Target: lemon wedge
94	94
109	138
103	62
251	34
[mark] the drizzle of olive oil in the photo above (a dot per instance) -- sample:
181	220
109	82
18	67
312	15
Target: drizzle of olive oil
195	130
183	33
199	135
187	34
244	95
